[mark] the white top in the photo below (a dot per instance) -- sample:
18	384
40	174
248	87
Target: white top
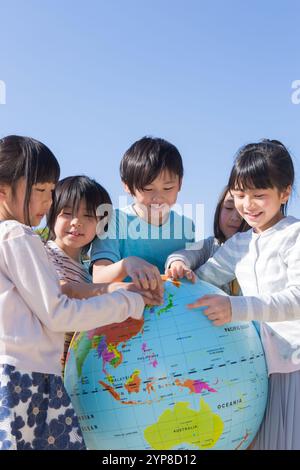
34	314
267	267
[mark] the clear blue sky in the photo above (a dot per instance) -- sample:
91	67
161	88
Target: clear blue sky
89	78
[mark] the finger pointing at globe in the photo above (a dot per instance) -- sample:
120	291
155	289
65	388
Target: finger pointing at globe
217	308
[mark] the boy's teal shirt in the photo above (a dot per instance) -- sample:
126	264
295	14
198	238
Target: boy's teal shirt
129	235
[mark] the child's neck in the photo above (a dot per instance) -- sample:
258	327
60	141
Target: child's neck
269	224
74	253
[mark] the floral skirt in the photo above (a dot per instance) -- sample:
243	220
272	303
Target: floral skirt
36	412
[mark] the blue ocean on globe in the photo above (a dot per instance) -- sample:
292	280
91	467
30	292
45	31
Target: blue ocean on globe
172	380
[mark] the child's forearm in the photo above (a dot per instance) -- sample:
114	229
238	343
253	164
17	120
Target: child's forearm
110	272
83	290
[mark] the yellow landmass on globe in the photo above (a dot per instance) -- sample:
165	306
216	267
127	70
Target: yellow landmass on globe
200	429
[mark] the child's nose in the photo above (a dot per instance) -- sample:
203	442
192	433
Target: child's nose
76	222
248	203
156	197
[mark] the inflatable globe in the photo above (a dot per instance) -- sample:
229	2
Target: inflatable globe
172	380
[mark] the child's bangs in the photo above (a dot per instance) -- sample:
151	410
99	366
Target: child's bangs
70	197
48	173
143	176
40	163
251	174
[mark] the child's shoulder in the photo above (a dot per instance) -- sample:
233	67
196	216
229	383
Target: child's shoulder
289	230
240	238
290	223
10	229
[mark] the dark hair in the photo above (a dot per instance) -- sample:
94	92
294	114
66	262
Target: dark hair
262	165
146	159
70	192
24	157
219	235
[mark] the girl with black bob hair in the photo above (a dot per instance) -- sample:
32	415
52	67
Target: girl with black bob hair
69	193
34	314
29	159
266	263
72	222
264	165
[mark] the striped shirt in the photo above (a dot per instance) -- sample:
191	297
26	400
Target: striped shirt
68	270
267	267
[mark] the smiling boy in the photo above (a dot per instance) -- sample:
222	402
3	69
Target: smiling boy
142	235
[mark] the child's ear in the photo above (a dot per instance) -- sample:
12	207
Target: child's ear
126	188
180	184
286	194
3	192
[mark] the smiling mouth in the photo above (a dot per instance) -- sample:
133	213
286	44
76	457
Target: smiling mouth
253	216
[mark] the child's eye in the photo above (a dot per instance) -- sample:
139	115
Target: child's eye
147	189
40	190
169	189
89	216
258	195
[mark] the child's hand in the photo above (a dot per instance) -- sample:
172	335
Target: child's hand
217	308
143	274
150	297
178	270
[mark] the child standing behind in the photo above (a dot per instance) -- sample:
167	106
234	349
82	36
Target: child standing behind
36	412
266	263
227	221
152	172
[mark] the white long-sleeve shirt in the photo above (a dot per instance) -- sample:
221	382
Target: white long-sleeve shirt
34	314
267	267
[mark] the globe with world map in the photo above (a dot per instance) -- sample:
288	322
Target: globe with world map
172	380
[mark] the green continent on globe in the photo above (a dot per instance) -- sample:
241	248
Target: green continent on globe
181	425
81	346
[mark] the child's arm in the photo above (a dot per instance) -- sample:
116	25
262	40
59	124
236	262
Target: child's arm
109	265
193	257
26	265
105	270
220	268
83	290
143	274
273	307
